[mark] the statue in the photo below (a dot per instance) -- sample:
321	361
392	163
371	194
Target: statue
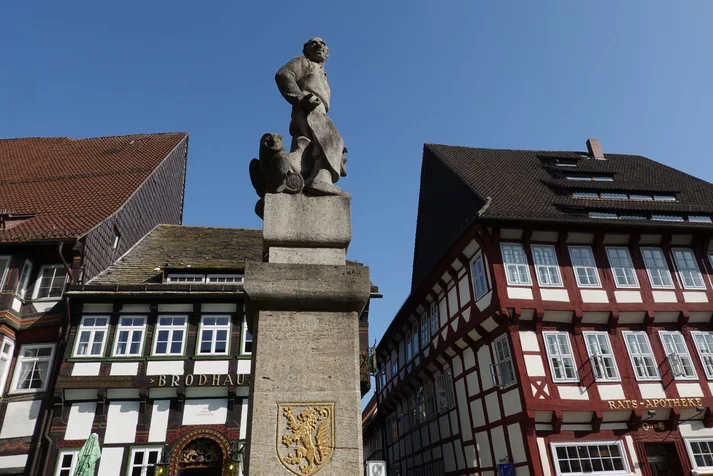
317	154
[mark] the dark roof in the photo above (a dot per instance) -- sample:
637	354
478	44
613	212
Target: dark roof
182	249
458	182
60	188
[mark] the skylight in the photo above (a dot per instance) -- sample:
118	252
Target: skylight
623	196
590	177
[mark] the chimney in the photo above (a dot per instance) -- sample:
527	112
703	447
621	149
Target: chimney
595	149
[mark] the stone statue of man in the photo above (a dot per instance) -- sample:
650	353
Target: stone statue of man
303	83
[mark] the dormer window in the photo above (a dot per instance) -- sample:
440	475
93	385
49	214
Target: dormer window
590	177
623	196
185	278
205	279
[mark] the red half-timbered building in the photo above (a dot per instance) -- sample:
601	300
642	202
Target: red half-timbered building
559	321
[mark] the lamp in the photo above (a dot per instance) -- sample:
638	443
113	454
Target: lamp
161	467
700	409
231	467
651	413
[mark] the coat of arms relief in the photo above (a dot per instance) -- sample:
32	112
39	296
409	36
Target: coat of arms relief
305	436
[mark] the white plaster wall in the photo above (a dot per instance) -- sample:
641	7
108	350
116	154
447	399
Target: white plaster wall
664	296
517	443
468	359
464	291
594	295
573	392
652	390
558	295
244	411
210	367
20	419
534	366
519	293
473	386
15	461
79	423
110	462
483	445
497	436
632	453
97	307
528	340
442	312
124	368
205	411
544	457
511	402
694	429
689	389
462	400
471	459
452	301
219	307
628	296
186	307
121	421
694	296
611	392
159	420
476	409
484	362
86	369
135	308
492	405
165	367
449	459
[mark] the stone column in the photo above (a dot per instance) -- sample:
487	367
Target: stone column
303	306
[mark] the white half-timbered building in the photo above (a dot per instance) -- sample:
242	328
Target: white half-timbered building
559	321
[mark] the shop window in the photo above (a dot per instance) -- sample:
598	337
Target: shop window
590	458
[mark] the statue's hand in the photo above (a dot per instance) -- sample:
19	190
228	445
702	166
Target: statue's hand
310	102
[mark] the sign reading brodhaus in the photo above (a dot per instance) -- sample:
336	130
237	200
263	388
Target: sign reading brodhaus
202	380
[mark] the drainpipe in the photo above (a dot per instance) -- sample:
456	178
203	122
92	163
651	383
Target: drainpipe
49	408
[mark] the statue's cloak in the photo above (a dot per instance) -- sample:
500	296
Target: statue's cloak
325	133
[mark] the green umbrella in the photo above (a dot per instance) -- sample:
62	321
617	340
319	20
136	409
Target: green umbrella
88	456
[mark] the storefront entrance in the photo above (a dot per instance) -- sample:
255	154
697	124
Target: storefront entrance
663	459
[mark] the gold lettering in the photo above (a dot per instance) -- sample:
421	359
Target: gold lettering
228	378
216	379
676	402
161	380
612	405
690	402
620	404
634	404
174	380
202	379
240	379
189	380
698	402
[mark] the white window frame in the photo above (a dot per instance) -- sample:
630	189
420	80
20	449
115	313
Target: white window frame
7	358
434	318
243	336
214	331
176	278
597	359
18	366
624	267
633	356
676	357
680	271
559	359
496	369
618	443
171	329
541	278
598	284
478	273
691	456
131	330
23	281
705	355
144	462
409	346
395	366
517	266
72	467
425	330
662	272
415	339
38	282
92	332
235	278
6	271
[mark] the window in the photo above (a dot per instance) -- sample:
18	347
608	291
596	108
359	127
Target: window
647	198
117	239
381	379
603	215
656	268
91	336
515	261
667	217
699	218
503	370
585	269
425	334
214	332
414	340
590	177
24	280
701	453
395	365
4	268
185	278
590	458
677	354
7	347
32	368
409	346
601	356
688	271
613	196
50	282
641	355
435	323
130	336
143	460
480	280
246	339
66	463
704	345
444	391
559	353
546	267
665	198
170	335
585	195
225	278
633	217
622	267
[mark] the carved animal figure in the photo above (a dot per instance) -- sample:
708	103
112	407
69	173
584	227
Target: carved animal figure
303	427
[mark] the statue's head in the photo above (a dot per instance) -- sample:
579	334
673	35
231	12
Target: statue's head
272	141
316	50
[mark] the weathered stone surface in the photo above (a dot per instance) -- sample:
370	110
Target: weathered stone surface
334	256
305	357
309	222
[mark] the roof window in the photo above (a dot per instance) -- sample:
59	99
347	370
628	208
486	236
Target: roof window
676	218
623	196
667	218
590	177
205	279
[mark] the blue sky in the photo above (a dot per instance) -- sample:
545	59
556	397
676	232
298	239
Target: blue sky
506	74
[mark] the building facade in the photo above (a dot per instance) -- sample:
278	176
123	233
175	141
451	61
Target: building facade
559	321
68	209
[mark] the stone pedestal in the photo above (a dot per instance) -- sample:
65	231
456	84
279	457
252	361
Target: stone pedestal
303	306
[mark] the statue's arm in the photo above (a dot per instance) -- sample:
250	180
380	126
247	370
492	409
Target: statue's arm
287	77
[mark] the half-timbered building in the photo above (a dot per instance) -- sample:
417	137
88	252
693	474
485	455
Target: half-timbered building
68	209
559	321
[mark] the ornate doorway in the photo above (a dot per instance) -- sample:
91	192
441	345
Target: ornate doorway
202	457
